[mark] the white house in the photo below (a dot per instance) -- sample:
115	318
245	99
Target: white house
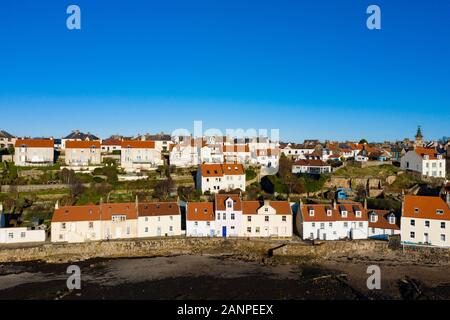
311	167
21	235
77	135
139	155
200	219
157	219
215	177
228	209
296	151
185	154
382	223
266	219
266	157
34	152
237	153
425	161
94	222
333	222
425	221
83	154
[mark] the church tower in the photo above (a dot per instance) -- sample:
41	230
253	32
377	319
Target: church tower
419	138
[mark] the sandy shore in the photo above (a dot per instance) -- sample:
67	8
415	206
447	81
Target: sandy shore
217	277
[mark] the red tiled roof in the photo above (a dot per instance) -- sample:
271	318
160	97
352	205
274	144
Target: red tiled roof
159	209
425	207
111	142
94	212
35	143
138	144
82	144
383	220
220	199
200	211
281	207
432	154
320	212
218	170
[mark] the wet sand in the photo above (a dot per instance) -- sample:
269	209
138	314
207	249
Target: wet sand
215	277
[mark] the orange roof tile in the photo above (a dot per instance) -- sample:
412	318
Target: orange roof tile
138	144
431	153
35	143
281	207
82	144
425	207
320	212
159	209
383	220
220	199
200	211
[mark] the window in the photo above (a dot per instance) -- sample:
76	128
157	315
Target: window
232	216
266	218
311	213
249	229
146	219
360	224
413	222
313	224
91	225
322	225
196	223
208	223
412	234
373	217
427	223
283	218
146	229
416	210
11	235
232	227
63	226
442	225
392	219
61	237
344	214
249	218
358	214
329	213
22	234
345	224
118	218
257	230
330	224
229	204
128	230
266	209
439	211
442	237
224	216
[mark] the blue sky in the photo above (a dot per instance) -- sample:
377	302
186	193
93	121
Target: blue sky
309	68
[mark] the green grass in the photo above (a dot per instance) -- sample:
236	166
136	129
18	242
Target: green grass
250	174
376	171
403	181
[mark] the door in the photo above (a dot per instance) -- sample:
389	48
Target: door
425	238
211	233
224	231
118	232
158	232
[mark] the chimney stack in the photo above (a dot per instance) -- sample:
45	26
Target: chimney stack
365	203
334	204
56	205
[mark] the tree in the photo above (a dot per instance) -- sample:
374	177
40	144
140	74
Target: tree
363	141
163	188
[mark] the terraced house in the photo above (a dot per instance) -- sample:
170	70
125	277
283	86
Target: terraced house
115	221
333	222
34	152
83	154
426	161
425	221
200	219
215	177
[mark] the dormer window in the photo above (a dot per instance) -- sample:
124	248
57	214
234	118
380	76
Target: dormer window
344	214
230	204
425	156
205	210
416	210
373	217
329	213
358	214
195	210
311	212
392	219
439	211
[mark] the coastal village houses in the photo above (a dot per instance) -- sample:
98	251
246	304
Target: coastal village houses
77	135
81	155
426	220
137	155
333	222
215	177
425	161
7	140
311	167
382	224
115	221
233	217
34	152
